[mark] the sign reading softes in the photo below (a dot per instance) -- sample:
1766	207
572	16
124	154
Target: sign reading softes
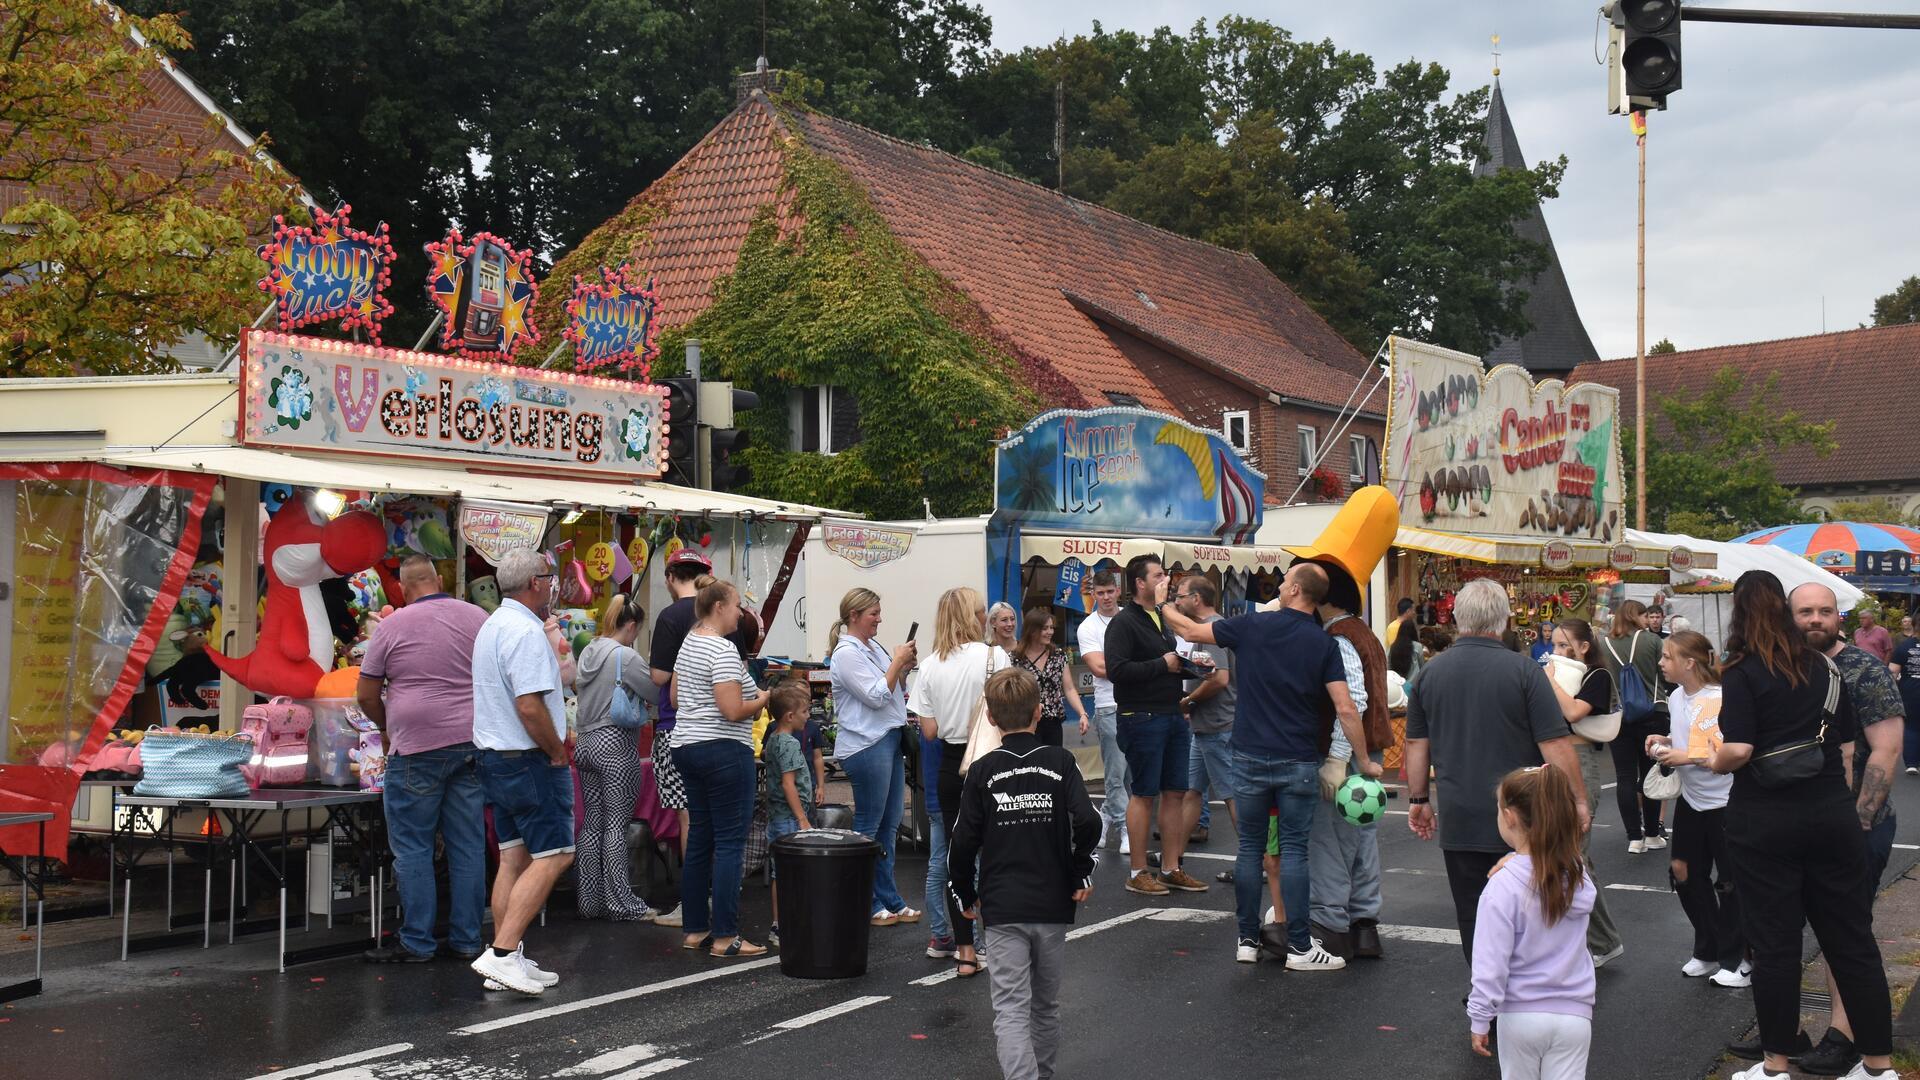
307	393
1492	453
1126	470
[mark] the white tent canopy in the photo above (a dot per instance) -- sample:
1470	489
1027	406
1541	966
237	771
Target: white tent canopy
1737	559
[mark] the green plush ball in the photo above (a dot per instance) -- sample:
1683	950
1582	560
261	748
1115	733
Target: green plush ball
1361	800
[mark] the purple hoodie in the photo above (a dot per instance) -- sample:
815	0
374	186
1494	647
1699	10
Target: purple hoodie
1520	964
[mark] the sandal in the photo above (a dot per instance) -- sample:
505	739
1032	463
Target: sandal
703	943
740	947
967	969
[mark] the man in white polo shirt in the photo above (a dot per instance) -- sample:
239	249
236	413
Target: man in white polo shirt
520	728
1092	639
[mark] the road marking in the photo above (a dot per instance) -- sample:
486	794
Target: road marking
651	1068
1639	888
1908	847
1188	914
606	999
1412	870
1609	787
611	1060
936	979
830	1012
1437	935
1108	924
1211	855
334	1063
1399	813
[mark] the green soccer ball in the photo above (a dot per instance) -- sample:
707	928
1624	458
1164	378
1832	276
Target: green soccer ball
1361	800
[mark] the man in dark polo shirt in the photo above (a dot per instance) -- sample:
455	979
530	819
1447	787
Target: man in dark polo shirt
1288	667
1476	713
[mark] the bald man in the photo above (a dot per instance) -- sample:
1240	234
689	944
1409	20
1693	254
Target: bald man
1871	759
421	657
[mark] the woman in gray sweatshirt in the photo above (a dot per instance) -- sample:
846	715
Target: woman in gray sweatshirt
608	757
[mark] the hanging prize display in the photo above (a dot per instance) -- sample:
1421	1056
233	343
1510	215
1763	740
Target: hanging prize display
328	271
600	562
486	292
637	550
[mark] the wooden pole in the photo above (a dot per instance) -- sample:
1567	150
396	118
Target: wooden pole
1640	356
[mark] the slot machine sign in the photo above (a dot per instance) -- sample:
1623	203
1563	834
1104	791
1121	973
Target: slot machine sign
485	290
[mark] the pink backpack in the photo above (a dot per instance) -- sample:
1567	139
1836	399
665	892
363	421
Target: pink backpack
279	729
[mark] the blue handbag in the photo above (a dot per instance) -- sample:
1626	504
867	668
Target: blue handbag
181	765
624	712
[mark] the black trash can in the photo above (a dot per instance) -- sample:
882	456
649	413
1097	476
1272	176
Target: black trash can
826	900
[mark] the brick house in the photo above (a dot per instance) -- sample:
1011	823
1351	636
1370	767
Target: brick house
1099	309
1857	379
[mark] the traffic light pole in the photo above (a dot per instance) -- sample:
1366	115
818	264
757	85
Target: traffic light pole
693	370
1845	19
1640	355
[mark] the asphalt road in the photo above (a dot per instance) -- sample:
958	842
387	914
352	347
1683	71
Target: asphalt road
1151	989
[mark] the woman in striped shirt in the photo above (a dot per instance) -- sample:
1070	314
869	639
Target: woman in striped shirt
713	749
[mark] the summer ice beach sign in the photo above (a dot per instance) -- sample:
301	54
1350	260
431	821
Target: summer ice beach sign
303	393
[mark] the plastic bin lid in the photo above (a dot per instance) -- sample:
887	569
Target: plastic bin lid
828	842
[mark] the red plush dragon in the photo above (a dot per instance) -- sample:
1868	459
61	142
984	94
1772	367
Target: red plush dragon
302	549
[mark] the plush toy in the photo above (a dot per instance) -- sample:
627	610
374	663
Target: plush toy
485	593
187	665
296	643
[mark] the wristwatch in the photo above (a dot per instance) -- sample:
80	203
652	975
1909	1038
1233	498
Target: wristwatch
1418	800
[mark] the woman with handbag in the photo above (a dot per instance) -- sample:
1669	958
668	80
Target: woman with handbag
1799	854
1631	645
951	702
870	713
1048	664
1588	716
612	679
1702	874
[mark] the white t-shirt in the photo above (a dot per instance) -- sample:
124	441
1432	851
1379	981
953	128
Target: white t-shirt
1092	638
512	658
1701	787
950	687
706	661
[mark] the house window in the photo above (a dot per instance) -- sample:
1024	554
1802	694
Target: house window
1360	448
823	419
1239	430
1309	447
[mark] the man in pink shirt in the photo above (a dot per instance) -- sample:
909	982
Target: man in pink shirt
422	655
1872	636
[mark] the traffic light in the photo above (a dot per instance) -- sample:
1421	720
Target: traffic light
723	473
1649	50
720	403
682	430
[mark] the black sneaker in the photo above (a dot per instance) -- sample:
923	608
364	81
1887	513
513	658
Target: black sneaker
1833	1057
1751	1050
395	955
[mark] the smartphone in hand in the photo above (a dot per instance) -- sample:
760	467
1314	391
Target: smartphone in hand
913	631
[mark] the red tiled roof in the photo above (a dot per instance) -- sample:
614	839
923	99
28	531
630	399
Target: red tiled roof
1855	378
1040	267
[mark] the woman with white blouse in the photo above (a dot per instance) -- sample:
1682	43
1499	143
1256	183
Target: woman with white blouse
870	714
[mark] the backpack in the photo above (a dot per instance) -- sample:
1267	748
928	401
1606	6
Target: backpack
279	730
1637	701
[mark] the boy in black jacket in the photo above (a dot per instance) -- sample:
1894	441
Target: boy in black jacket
1025	813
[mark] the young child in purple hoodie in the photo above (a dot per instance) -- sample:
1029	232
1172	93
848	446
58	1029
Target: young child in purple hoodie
1531	968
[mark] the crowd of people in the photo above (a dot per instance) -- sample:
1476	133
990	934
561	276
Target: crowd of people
1777	749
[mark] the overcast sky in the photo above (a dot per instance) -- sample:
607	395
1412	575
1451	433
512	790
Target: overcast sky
1786	170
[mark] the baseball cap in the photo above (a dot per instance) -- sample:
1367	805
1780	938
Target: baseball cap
687	556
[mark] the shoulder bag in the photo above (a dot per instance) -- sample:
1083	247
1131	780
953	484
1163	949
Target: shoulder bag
983	737
1597	727
1797	762
624	712
1660	784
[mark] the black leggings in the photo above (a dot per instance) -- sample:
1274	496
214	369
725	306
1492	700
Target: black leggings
1804	862
1630	765
1467	878
1707	895
951	782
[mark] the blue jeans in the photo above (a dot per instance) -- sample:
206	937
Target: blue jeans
936	901
428	791
879	778
1210	769
719	776
1113	808
1262	784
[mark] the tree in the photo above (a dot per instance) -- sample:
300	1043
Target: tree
130	237
1662	347
1902	305
1710	457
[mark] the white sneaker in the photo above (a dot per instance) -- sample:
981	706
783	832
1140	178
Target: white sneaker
1125	848
1267	918
1601	960
507	973
1732	980
1746	967
1655	843
1316	958
1634	847
1758	1071
1696	968
540	974
1247	952
671	918
1913	770
1861	1072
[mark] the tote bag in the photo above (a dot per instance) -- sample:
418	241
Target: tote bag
982	737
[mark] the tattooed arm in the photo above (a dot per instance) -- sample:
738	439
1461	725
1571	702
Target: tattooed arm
1883	741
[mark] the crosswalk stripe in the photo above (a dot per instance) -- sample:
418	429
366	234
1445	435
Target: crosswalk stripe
607	999
1413	870
1108	924
1908	847
611	1060
335	1063
830	1012
651	1068
1639	888
1187	914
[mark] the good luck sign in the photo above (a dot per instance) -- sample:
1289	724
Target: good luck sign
613	323
328	271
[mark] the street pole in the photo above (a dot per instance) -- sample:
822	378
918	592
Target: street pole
1640	352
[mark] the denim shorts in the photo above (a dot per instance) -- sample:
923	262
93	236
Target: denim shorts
1158	748
1212	764
777	828
532	801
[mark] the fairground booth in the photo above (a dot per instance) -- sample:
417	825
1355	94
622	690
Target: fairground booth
1501	477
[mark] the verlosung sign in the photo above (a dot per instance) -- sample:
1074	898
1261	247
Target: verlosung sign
303	393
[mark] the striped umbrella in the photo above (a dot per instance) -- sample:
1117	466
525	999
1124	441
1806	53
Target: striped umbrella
1835	544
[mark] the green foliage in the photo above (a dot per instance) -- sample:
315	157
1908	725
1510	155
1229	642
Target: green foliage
1878	511
131	237
1902	305
841	302
1662	347
1710	458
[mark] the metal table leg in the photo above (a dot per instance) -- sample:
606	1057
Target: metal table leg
283	892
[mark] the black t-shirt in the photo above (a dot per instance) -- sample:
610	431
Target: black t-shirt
1765	710
1907	655
669	632
1597	691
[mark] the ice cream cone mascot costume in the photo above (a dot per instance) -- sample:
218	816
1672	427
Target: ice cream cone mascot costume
1343	860
302	549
